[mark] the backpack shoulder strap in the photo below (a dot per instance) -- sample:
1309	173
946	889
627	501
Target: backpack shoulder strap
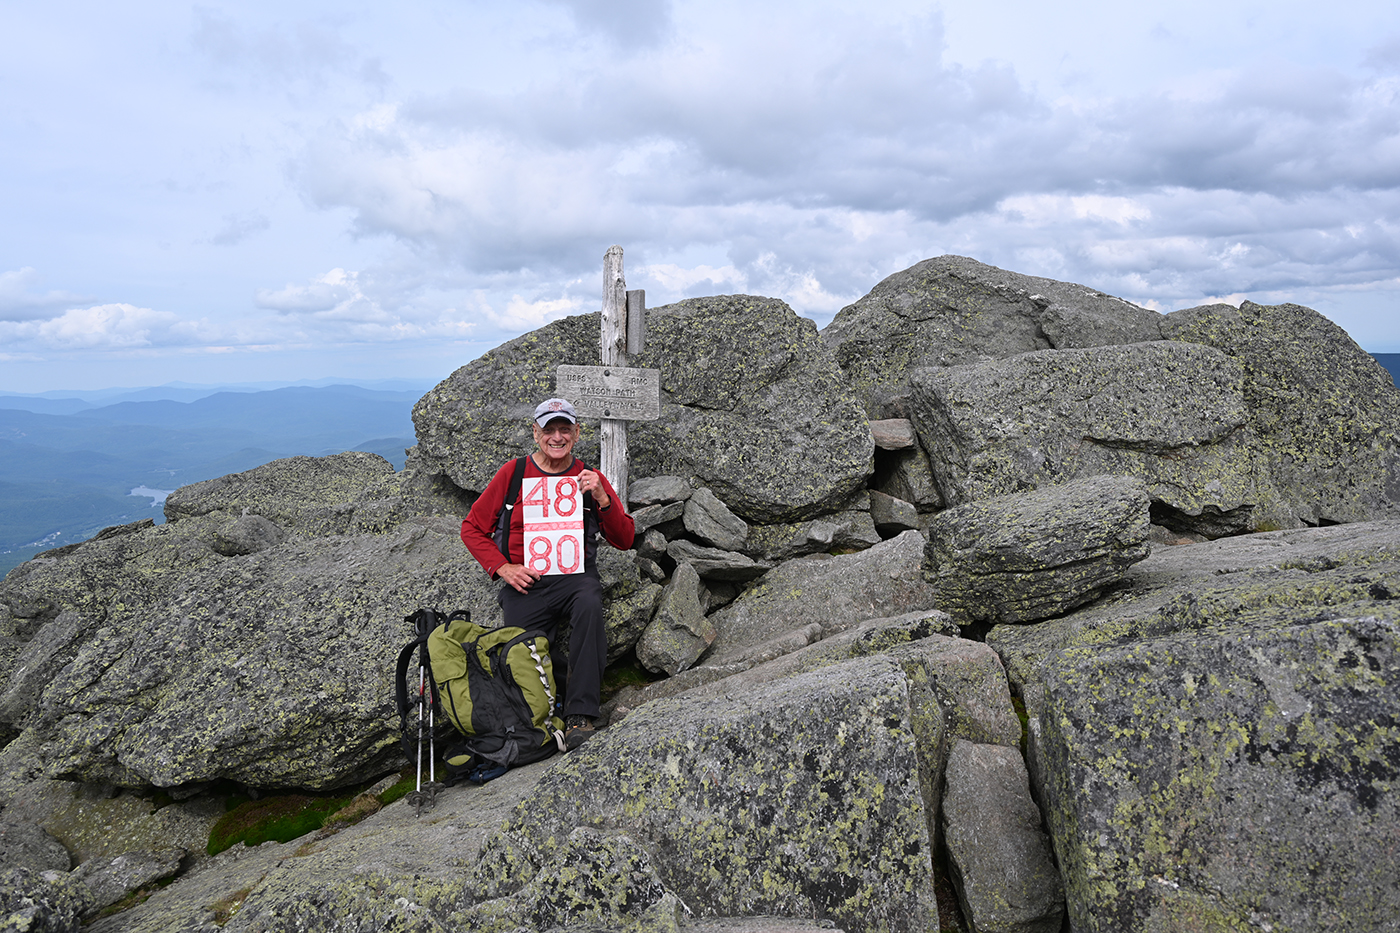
517	477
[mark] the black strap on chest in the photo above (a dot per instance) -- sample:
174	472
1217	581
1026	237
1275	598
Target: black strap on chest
517	478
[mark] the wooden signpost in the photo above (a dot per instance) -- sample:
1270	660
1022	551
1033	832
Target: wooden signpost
614	392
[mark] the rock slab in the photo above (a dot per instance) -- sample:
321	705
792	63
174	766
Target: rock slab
999	856
1239	776
1033	556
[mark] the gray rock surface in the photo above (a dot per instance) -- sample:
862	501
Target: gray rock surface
650	516
952	310
894	434
248	535
105	881
818	778
286	492
48	650
849	530
1029	557
715	564
1170	413
999	856
829	593
907	475
710	520
1324	414
891	515
193	667
1241	774
27	845
654	490
679	632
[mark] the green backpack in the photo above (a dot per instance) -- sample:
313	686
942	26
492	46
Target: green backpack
497	686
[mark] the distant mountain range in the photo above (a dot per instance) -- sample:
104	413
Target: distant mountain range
74	463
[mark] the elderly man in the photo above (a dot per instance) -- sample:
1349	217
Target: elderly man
534	544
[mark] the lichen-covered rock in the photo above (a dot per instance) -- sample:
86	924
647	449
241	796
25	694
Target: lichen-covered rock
844	531
1241	775
710	520
998	855
284	492
952	310
1324	413
596	881
105	881
30	903
753	406
715	564
679	632
272	669
809	797
1171	413
628	602
26	845
1274	575
1028	557
830	593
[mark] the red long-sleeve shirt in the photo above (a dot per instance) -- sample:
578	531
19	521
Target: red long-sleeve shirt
480	525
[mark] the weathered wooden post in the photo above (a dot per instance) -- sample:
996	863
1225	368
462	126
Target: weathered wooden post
613	392
613	438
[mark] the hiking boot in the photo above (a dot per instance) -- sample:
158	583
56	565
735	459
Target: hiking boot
577	730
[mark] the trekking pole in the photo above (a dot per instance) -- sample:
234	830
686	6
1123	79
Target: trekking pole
416	798
430	699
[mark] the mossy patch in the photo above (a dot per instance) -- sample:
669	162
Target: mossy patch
625	673
272	819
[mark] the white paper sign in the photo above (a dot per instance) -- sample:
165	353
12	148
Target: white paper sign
553	520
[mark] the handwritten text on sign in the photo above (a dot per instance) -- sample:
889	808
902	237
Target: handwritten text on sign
614	392
553	520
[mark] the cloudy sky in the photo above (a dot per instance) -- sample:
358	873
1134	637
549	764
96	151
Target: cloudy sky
276	191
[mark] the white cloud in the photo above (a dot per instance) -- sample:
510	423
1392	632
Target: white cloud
821	156
347	306
110	326
522	315
322	294
464	166
19	301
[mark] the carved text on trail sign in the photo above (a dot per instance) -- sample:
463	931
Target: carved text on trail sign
614	392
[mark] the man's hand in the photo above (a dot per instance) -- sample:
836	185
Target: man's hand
590	481
518	576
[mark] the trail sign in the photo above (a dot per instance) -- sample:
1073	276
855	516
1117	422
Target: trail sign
614	392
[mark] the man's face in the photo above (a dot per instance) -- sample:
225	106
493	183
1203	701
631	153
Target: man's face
557	438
